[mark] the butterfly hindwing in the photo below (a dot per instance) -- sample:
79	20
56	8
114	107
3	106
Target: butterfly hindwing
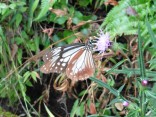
81	66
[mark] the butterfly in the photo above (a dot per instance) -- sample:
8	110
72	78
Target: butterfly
75	60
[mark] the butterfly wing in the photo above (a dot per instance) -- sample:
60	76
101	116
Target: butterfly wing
81	66
56	60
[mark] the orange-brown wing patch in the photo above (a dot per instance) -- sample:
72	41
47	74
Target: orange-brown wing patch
81	66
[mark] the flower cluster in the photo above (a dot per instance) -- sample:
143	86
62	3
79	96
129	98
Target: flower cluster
125	104
103	41
144	82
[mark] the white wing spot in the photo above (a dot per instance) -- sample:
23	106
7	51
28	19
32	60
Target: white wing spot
61	59
61	68
63	64
47	58
66	59
55	67
58	63
46	55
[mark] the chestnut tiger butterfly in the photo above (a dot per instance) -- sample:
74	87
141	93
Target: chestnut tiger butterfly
75	60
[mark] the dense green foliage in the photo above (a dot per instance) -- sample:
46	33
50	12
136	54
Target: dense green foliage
28	27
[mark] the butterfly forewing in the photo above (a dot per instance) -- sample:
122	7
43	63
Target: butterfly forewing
81	66
56	60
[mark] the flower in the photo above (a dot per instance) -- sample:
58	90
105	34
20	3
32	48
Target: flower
103	41
144	82
125	103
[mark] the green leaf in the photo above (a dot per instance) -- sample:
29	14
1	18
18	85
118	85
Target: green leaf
18	40
133	113
78	16
61	20
28	83
83	3
33	5
152	35
6	14
33	75
57	38
22	9
3	6
48	111
83	92
1	41
85	31
12	6
74	108
45	5
110	82
31	45
26	75
102	84
82	109
121	88
115	66
128	71
150	94
141	57
68	33
36	40
18	19
76	20
96	115
19	55
116	100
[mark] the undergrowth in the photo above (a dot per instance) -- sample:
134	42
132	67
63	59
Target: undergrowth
29	28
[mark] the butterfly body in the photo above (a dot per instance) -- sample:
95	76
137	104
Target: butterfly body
75	60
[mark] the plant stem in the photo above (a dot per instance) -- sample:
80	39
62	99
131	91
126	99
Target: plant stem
143	74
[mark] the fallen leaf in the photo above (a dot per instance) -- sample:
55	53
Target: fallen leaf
59	12
119	106
92	108
111	2
48	31
80	24
69	22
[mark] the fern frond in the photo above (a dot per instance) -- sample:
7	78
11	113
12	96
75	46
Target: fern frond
118	22
45	5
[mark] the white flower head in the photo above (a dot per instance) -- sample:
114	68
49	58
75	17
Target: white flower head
103	41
